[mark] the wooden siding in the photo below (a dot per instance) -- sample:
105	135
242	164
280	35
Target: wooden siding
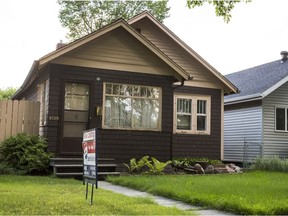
201	76
189	145
117	50
242	122
114	143
275	143
125	144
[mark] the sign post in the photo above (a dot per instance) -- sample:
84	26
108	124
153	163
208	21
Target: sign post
89	146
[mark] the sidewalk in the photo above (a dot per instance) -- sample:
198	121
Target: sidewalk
160	200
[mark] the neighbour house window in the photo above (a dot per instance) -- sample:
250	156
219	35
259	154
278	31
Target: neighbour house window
281	115
192	114
132	107
43	99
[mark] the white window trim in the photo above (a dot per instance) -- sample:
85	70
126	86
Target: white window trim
134	129
286	119
194	114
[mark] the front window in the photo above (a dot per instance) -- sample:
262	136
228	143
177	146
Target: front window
192	114
281	119
131	107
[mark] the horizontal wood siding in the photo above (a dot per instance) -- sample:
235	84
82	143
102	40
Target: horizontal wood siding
244	122
119	144
124	145
174	51
117	50
185	145
275	143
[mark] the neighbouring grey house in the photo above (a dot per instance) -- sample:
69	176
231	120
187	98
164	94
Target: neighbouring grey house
258	115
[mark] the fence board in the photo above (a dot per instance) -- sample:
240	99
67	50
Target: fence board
26	117
3	106
19	117
15	117
8	118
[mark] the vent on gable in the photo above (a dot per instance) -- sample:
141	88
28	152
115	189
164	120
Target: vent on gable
284	55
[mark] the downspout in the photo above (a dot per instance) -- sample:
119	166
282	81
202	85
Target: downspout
171	136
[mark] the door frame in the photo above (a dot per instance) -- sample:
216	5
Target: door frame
61	111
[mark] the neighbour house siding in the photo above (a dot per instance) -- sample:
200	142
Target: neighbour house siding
275	143
189	145
242	122
201	76
116	50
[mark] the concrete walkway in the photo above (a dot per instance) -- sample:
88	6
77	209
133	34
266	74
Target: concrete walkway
160	200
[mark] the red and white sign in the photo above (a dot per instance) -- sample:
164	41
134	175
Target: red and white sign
89	135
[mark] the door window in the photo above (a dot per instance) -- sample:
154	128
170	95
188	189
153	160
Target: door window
76	109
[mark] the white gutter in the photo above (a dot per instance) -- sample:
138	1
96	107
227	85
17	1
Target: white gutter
242	99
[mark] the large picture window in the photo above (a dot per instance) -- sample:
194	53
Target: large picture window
132	107
192	114
281	122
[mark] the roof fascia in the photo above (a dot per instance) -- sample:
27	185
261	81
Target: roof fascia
225	81
32	71
275	86
243	99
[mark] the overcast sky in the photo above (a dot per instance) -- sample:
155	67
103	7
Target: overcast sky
256	34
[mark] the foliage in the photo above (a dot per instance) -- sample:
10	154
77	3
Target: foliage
271	164
223	8
251	193
186	162
26	195
155	166
6	94
24	154
83	17
136	166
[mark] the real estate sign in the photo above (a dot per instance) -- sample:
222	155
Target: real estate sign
89	146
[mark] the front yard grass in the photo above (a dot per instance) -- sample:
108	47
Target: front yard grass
31	195
257	192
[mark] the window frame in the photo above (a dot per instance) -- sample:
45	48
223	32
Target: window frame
285	120
194	114
159	128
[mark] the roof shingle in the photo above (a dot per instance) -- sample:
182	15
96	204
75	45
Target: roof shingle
258	79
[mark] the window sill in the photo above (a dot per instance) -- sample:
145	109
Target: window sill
192	132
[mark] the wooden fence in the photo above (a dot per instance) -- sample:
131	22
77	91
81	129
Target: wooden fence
19	117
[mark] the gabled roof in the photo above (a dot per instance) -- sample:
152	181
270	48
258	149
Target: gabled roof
120	23
232	88
257	82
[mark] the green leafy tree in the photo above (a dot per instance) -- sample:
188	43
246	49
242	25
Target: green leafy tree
6	94
223	8
84	17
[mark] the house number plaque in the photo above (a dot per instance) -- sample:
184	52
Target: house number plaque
53	118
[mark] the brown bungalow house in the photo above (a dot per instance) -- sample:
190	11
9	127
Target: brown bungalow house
146	91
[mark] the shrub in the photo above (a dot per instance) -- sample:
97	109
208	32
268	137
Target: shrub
154	166
186	162
271	164
135	166
23	154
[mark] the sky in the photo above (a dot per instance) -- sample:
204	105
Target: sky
256	34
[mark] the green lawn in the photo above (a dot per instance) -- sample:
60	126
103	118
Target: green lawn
262	193
30	195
